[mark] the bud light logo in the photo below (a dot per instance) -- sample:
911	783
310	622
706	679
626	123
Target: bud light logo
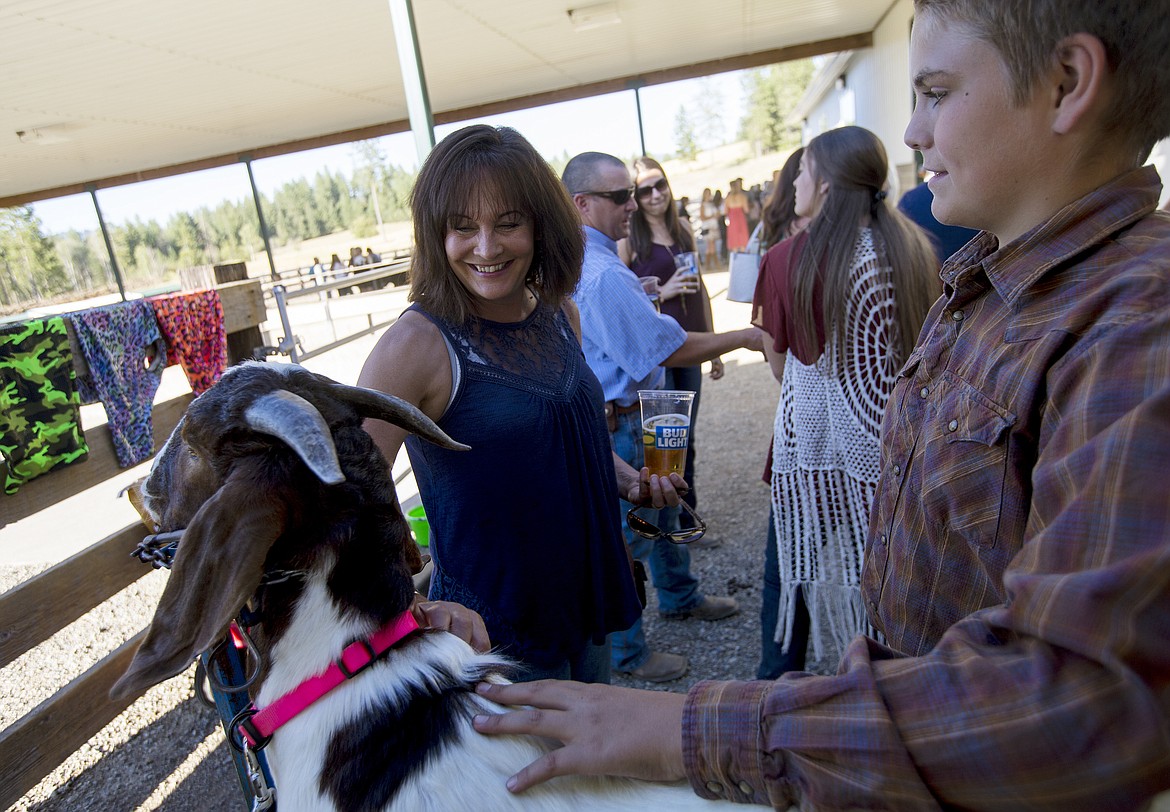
667	437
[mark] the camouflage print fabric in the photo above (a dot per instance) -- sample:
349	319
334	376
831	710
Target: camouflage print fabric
40	427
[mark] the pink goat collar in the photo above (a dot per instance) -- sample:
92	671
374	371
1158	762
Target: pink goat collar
354	659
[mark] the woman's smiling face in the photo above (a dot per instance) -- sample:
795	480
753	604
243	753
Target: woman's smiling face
491	252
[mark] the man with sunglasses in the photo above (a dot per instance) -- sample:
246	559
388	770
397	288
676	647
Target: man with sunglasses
627	343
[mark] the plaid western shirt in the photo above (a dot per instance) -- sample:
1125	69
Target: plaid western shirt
1018	559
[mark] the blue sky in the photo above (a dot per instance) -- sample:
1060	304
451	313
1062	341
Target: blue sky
604	123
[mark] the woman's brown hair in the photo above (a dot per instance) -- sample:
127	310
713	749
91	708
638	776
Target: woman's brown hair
780	210
475	168
853	162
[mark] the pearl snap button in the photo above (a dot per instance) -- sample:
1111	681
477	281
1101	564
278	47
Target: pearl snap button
957	315
923	392
745	787
897	470
953	425
715	787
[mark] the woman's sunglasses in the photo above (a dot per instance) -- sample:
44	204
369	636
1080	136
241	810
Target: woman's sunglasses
647	530
660	185
618	198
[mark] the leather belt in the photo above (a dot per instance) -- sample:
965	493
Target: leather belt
613	409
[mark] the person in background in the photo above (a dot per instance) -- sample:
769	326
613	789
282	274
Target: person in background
684	214
339	270
755	207
780	218
316	271
842	303
709	218
1019	553
356	257
627	343
736	205
657	238
946	240
721	222
490	350
371	257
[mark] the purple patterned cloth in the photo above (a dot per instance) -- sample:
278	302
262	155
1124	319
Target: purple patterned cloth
122	346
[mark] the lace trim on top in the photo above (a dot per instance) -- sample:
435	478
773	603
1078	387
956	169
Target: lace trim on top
527	354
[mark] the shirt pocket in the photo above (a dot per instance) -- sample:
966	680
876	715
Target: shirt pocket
965	462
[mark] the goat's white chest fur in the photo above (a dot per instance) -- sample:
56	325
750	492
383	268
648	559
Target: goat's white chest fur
466	772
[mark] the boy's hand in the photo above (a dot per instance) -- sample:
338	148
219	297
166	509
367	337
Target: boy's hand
605	730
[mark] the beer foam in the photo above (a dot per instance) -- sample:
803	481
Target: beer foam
673	419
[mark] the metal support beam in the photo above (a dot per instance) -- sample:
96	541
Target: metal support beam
260	216
641	129
109	245
418	103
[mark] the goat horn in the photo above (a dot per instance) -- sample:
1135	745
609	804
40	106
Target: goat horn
297	422
380	406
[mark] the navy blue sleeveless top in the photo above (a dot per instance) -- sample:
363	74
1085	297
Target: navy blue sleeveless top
525	527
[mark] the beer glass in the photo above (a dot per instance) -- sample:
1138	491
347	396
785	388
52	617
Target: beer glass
666	432
686	265
666	429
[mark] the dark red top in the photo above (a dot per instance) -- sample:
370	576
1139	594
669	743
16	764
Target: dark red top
772	303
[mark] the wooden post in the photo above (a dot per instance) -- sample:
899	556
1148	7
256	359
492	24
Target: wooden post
242	343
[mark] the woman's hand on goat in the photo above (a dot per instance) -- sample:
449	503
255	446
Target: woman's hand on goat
605	730
464	623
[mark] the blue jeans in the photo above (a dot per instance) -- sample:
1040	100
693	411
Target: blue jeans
591	664
670	564
773	661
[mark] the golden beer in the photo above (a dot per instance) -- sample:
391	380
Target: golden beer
664	443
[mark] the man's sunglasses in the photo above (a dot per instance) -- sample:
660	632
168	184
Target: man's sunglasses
651	531
618	198
660	185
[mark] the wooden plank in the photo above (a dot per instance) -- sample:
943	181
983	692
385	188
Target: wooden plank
49	489
40	607
36	745
243	305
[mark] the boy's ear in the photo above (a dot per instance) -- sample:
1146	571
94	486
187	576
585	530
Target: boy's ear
1083	75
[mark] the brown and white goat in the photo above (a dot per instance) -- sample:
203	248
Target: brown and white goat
270	470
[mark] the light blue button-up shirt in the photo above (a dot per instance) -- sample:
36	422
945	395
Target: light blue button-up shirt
624	338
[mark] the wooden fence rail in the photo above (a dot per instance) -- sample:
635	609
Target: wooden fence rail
40	741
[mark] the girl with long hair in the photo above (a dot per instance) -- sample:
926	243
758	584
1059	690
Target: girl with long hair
657	237
843	302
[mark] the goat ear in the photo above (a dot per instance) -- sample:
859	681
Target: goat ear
217	567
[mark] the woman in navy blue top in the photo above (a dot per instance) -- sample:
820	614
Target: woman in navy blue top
525	527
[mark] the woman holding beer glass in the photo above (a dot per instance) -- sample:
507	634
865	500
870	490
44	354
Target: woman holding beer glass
661	247
524	526
843	302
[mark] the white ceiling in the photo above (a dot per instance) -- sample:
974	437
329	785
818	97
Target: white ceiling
111	91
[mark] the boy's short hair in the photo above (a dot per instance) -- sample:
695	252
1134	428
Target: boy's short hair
1135	33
